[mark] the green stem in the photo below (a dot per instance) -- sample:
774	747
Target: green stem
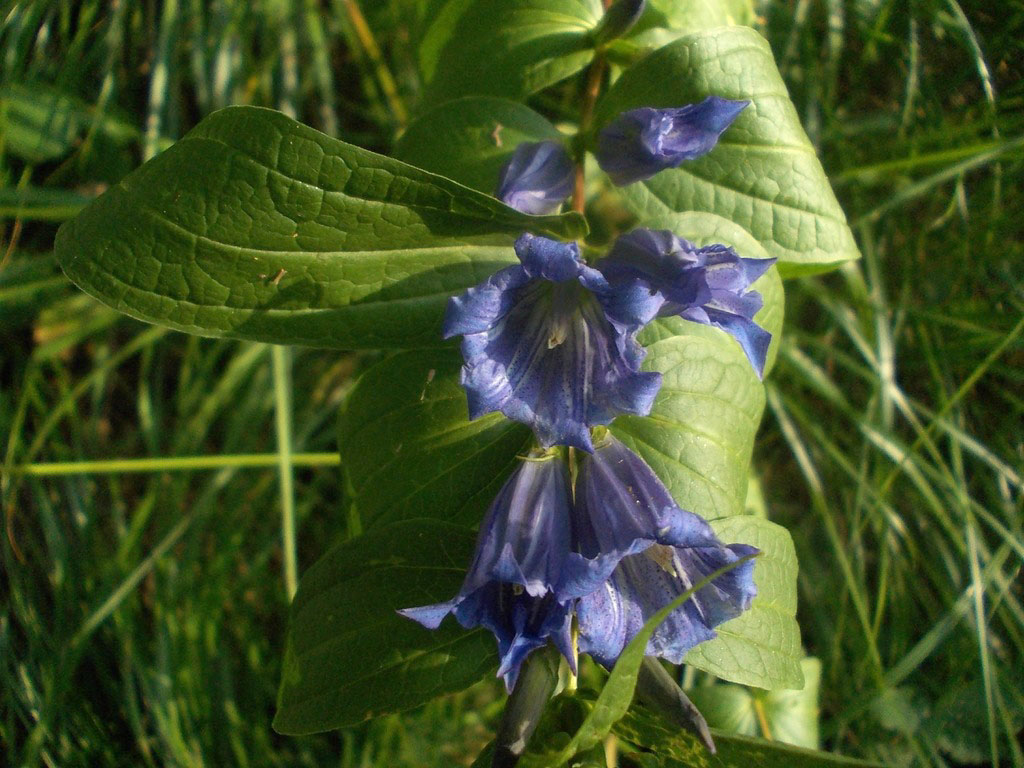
172	464
288	102
380	67
870	173
133	580
281	359
960	393
590	93
160	83
921	187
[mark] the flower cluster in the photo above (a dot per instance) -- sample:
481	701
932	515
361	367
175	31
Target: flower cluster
551	342
614	555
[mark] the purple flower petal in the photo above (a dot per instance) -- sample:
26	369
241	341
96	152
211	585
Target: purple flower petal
641	142
643	551
537	179
522	555
708	285
548	343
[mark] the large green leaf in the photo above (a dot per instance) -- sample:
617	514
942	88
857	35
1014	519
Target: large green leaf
665	21
444	16
693	15
666	746
409	450
469	139
764	174
699	435
698	438
350	656
761	646
508	47
255	226
786	715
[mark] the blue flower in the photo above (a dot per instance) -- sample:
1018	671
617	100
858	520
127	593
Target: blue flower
522	557
708	285
648	551
639	143
537	178
548	343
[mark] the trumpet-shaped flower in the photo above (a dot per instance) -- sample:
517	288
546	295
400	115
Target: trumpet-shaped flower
522	558
639	143
537	179
648	551
709	285
550	344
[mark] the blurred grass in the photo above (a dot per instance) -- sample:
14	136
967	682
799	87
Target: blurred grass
144	613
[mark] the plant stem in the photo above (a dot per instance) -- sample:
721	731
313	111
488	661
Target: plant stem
592	90
281	359
172	464
573	681
384	77
288	102
159	83
762	718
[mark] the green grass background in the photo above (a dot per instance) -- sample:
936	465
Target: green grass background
144	607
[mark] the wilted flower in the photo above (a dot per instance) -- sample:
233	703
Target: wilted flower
708	285
649	551
639	143
537	179
522	557
549	344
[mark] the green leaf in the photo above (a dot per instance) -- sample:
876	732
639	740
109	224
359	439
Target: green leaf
40	203
41	123
665	21
26	286
698	439
350	656
255	226
699	435
729	708
445	15
37	123
693	15
760	647
469	139
509	48
409	450
958	722
665	746
763	174
790	716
